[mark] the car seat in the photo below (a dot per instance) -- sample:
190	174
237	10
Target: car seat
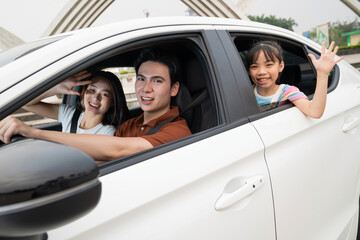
291	75
202	115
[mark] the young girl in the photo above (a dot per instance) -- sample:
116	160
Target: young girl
265	62
102	104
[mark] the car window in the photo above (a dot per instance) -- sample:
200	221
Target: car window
33	119
193	74
298	70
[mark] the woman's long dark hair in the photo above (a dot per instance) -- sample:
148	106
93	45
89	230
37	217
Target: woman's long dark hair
118	112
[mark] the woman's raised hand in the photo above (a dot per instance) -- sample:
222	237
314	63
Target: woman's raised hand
67	86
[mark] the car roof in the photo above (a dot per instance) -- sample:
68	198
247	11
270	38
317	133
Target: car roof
74	40
141	23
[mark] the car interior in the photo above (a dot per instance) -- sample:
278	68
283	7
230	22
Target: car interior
195	98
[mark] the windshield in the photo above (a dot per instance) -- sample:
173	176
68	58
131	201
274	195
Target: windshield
14	53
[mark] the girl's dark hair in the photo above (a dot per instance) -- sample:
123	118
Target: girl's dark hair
118	112
271	49
155	55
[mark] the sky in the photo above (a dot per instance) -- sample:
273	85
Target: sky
28	19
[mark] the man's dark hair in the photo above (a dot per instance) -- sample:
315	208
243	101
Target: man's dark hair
155	55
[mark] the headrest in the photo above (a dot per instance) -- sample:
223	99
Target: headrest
291	75
194	76
182	100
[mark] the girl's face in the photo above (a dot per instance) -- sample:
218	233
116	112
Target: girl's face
264	72
98	97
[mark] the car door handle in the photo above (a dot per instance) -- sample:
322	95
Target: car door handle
229	198
350	124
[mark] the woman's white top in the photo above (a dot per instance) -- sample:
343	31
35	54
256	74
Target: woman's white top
65	115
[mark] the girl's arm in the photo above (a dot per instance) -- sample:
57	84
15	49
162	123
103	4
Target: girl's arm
323	66
66	87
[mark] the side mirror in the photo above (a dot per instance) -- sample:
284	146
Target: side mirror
44	185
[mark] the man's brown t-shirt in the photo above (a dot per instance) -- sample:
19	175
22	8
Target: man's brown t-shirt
169	132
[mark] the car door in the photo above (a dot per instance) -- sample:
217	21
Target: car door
313	163
211	185
314	167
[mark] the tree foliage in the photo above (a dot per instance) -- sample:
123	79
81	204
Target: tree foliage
337	28
273	20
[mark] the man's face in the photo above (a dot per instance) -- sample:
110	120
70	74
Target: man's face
153	89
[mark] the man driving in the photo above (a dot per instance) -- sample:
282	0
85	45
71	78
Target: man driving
155	85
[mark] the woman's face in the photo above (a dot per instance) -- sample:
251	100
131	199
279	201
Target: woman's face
98	97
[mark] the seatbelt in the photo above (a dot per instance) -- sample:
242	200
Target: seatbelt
74	120
194	103
157	127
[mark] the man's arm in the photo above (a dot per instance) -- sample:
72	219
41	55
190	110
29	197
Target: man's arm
100	147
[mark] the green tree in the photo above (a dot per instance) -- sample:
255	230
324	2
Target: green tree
280	22
337	28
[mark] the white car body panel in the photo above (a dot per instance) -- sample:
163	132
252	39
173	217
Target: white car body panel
297	164
140	202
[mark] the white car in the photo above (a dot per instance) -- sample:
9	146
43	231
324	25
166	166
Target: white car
242	174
